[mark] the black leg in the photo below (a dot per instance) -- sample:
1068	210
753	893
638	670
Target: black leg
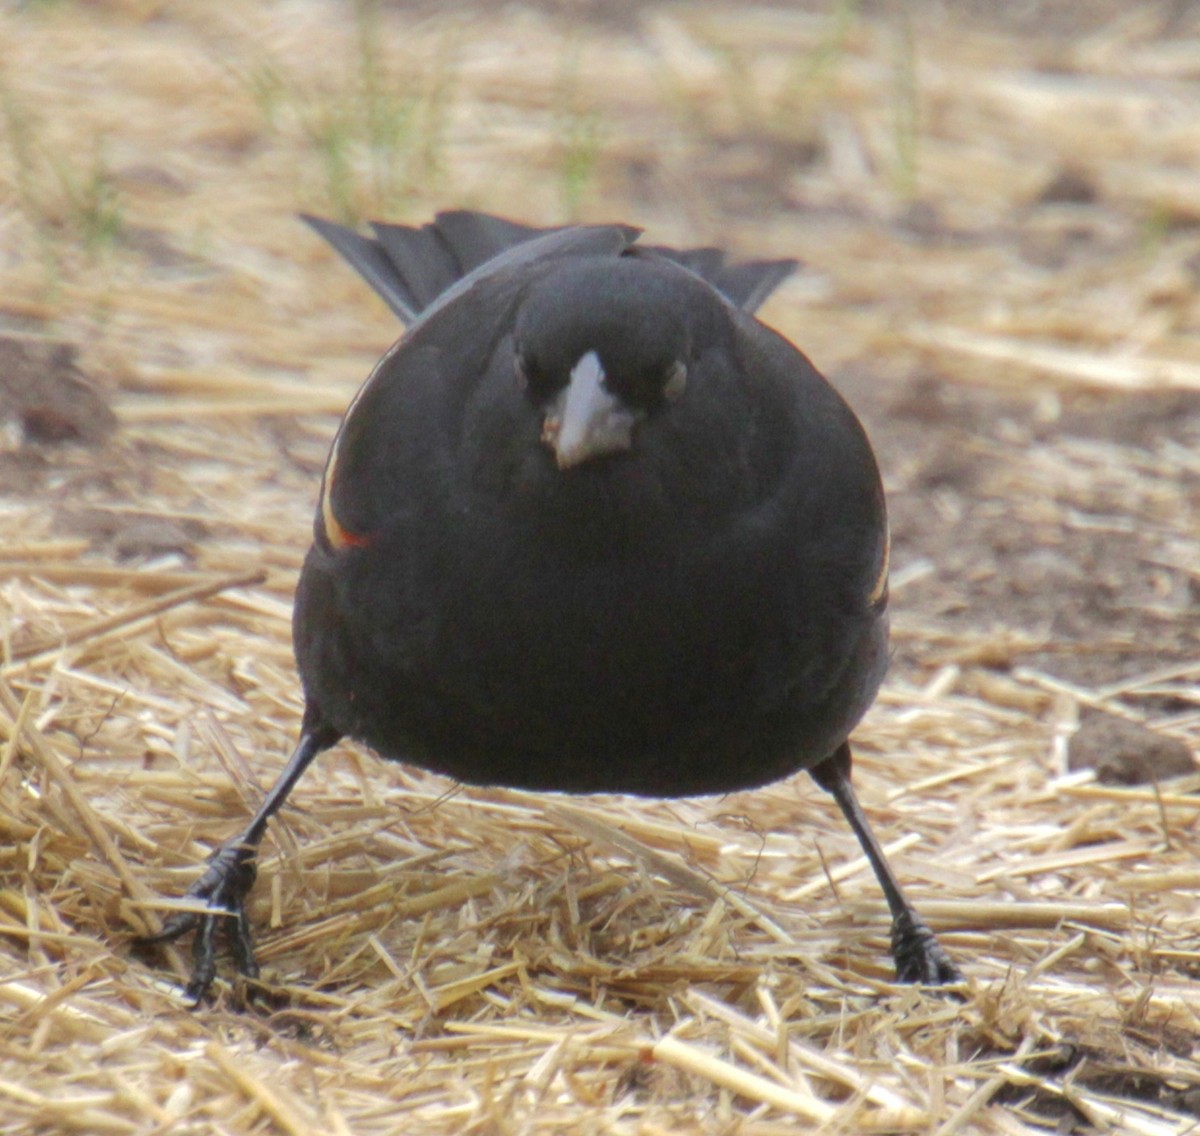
917	953
231	873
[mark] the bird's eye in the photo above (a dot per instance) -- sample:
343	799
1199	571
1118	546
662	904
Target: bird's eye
676	381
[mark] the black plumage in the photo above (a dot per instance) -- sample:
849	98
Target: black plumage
589	526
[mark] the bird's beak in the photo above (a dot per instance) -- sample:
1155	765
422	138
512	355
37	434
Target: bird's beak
586	420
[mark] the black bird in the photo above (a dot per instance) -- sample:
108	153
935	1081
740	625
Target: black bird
589	526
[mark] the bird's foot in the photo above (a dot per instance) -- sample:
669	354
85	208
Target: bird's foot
919	956
223	889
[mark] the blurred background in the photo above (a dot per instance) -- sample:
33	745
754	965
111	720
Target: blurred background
997	211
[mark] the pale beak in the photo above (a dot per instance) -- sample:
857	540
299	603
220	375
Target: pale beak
585	419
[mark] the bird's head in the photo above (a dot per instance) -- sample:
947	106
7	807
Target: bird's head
602	348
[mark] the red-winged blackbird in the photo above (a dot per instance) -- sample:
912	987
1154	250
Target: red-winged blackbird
588	527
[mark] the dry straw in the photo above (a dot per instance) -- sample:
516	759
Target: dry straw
470	961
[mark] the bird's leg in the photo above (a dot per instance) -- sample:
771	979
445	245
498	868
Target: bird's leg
230	875
916	951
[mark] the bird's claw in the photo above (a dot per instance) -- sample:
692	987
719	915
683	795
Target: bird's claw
223	888
919	956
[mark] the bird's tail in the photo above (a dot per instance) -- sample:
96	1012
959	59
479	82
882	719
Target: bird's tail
418	269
